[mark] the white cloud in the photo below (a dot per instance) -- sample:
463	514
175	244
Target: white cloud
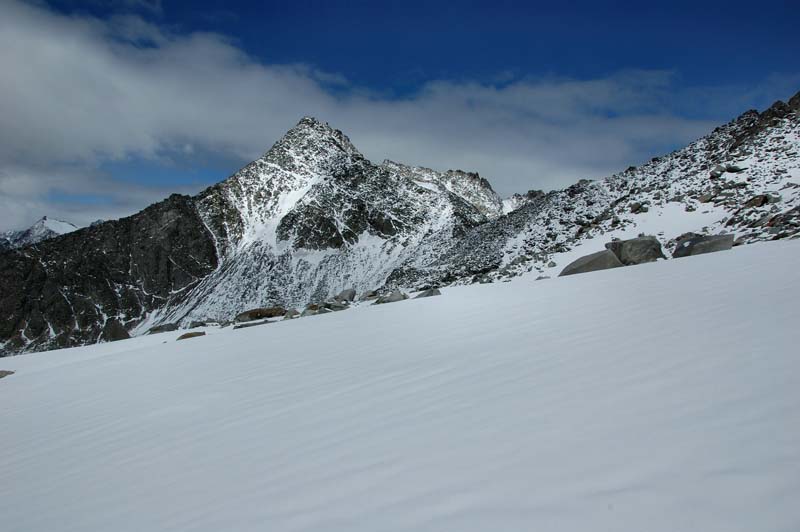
77	92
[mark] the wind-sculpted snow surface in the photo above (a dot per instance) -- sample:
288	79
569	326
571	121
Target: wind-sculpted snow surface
313	216
658	397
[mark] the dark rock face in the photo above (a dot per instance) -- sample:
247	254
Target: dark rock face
113	331
636	250
123	268
602	260
702	244
260	314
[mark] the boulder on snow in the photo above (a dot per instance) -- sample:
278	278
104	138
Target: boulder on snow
636	250
196	324
195	334
335	305
5	373
166	327
602	260
346	295
428	293
395	296
113	331
260	314
291	314
369	294
697	245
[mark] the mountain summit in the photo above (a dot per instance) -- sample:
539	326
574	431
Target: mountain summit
312	217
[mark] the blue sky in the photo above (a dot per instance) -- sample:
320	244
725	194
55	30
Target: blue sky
113	105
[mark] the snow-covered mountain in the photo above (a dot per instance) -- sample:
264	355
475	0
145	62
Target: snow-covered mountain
43	229
313	216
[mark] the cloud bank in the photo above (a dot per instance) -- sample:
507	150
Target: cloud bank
78	93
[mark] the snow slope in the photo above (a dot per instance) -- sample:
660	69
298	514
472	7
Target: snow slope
659	397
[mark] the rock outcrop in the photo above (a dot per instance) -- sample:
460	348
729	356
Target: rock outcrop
601	260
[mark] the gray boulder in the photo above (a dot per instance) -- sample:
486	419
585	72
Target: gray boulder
602	260
369	294
428	293
636	250
698	245
335	306
291	314
260	314
346	295
163	328
395	296
5	373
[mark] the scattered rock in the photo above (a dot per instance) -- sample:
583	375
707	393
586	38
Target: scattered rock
369	294
698	245
113	331
166	327
636	250
291	314
250	324
324	310
260	314
5	373
733	169
195	334
705	198
551	264
761	200
395	296
335	306
309	312
346	295
428	293
717	172
542	278
196	324
602	260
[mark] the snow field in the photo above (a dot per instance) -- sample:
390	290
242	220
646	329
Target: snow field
659	397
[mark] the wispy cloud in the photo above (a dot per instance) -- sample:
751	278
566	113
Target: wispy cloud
78	92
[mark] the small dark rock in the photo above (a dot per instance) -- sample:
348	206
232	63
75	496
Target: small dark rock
394	297
195	334
428	293
260	314
165	327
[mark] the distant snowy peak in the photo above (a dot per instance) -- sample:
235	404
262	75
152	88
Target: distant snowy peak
43	229
515	201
